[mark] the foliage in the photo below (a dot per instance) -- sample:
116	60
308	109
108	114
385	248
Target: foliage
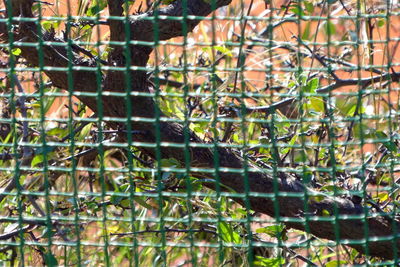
83	197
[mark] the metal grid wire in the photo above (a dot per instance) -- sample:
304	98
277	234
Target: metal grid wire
199	132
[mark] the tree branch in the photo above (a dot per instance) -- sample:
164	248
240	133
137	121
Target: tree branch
290	208
142	29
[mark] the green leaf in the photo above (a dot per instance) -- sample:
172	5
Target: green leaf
166	175
297	10
167	2
44	150
239	213
307	175
268	262
170	163
381	23
57	132
50	260
311	86
224	50
49	25
96	7
352	111
390	145
383	196
317	198
330	28
195	185
290	145
309	7
336	263
364	130
37	160
16	51
325	213
317	103
143	203
125	203
227	233
276	230
115	200
307	32
328	188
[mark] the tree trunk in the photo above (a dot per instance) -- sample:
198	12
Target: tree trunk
286	196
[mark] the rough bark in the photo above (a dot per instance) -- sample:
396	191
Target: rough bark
115	81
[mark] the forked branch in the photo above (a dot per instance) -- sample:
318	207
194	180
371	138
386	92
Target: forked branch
380	229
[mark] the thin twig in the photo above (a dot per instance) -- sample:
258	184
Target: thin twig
201	230
241	58
14	233
364	82
27	152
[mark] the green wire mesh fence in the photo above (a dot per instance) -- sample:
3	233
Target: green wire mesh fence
199	132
